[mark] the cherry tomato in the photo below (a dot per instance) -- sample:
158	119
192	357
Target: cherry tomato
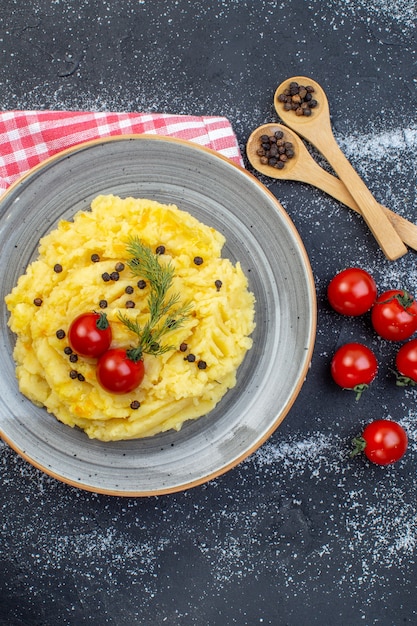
354	366
383	442
352	292
90	335
394	315
117	373
406	363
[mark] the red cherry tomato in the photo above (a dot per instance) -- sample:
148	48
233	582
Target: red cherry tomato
352	292
90	335
117	373
382	441
394	315
354	366
406	363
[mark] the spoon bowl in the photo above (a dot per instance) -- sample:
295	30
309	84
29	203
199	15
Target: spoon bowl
320	115
316	128
301	167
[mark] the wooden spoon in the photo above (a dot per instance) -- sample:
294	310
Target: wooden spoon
303	168
316	128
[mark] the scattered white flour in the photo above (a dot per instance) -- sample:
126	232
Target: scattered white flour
402	13
289	478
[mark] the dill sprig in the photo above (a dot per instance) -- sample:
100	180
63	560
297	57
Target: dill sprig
164	315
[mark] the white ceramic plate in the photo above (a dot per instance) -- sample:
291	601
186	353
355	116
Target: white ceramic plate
259	234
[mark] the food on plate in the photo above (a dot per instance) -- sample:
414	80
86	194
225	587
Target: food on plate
352	291
394	315
89	334
382	441
118	372
84	267
354	366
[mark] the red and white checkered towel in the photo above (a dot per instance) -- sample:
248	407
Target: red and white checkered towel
29	137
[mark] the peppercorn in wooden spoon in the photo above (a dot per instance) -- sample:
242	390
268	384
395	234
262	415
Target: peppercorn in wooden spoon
313	123
303	168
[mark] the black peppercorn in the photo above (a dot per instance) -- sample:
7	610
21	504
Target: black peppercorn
103	304
37	301
190	358
298	98
119	267
80	377
135	405
60	333
278	152
129	289
95	258
73	374
201	365
67	350
73	358
160	250
218	284
114	276
198	260
57	268
141	284
130	304
106	277
184	347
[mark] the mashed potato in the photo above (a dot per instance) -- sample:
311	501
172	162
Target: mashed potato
67	280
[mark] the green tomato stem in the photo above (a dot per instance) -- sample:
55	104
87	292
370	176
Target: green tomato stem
359	389
359	444
135	354
405	381
102	322
404	299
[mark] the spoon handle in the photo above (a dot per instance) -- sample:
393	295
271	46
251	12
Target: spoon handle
378	222
334	187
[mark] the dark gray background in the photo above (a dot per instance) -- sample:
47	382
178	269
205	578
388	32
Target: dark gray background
298	533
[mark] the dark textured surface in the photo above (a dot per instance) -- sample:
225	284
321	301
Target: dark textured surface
298	533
